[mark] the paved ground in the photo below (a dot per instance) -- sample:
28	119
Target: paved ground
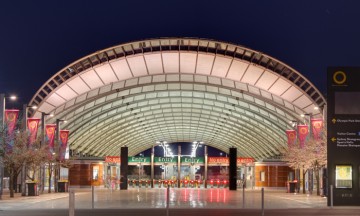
209	202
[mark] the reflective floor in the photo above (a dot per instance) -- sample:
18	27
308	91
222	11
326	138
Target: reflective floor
135	198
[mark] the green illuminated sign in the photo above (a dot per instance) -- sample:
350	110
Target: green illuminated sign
195	160
139	160
165	160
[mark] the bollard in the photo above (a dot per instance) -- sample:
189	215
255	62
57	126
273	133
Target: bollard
262	201
167	200
92	196
331	196
243	197
71	203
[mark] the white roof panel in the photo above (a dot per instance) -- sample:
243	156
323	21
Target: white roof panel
252	74
280	86
92	79
46	108
171	62
221	66
291	94
106	74
302	102
266	80
55	100
204	64
122	69
66	92
237	70
78	85
154	63
187	62
137	65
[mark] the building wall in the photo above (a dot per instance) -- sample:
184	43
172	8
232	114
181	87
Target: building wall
81	173
276	174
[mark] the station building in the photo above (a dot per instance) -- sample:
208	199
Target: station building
140	94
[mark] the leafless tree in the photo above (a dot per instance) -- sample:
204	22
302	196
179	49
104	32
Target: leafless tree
313	156
19	153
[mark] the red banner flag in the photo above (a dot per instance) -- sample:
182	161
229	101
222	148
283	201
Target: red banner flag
11	117
32	125
317	125
291	137
64	136
303	131
50	136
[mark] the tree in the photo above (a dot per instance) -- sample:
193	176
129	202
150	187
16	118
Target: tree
313	156
54	162
20	154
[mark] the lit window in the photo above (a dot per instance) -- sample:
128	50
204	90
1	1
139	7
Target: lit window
262	176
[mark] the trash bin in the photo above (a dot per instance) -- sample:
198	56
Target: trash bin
62	187
32	188
292	187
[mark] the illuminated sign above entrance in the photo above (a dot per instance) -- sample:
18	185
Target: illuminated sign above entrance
224	161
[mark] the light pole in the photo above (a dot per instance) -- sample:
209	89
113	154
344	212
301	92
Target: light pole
2	127
164	145
195	145
307	121
57	153
23	169
42	167
140	168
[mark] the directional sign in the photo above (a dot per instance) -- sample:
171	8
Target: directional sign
343	144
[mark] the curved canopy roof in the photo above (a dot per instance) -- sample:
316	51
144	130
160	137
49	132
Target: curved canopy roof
176	90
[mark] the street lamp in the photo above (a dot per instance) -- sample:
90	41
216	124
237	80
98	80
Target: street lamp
164	145
23	169
57	151
2	122
42	168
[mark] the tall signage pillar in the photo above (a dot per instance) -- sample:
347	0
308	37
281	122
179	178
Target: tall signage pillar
124	168
206	166
152	166
232	168
179	166
343	130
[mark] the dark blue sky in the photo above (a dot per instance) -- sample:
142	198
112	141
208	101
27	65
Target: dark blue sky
38	38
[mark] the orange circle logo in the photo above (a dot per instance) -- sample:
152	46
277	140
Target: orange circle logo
339	77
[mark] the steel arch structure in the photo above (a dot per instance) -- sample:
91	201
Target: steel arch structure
178	89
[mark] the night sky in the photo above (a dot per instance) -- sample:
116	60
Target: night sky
39	38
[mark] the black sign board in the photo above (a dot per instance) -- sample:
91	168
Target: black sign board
343	125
